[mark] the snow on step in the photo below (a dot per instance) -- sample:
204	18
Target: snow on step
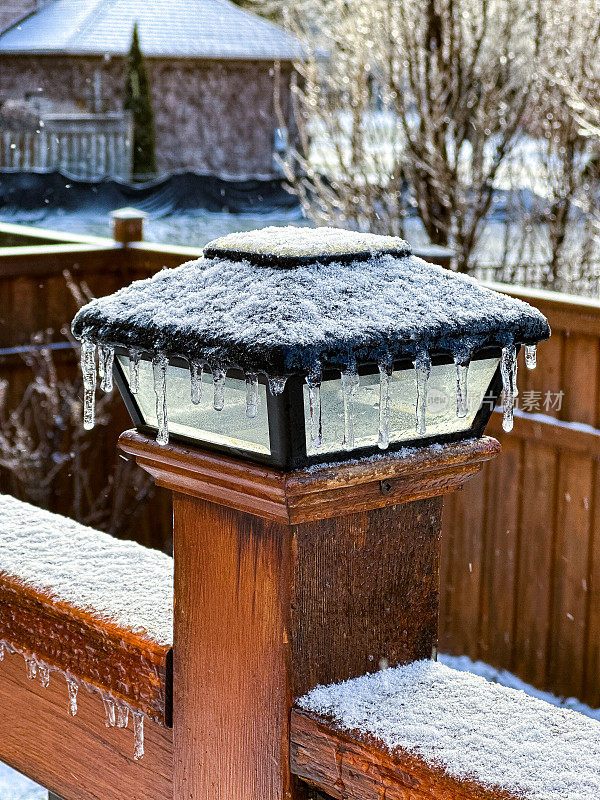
96	610
475	730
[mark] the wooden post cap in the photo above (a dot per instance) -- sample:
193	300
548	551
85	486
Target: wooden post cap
319	492
128	225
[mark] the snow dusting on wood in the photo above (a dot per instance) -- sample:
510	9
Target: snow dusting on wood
474	730
116	581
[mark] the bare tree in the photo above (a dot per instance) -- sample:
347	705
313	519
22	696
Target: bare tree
424	93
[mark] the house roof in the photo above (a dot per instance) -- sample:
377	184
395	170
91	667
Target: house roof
212	29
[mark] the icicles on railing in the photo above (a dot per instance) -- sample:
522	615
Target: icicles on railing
72	688
462	400
106	357
422	372
313	383
219	389
509	376
350	383
159	370
251	396
44	675
88	370
385	407
2	651
30	667
122	716
109	712
530	356
196	370
138	735
134	370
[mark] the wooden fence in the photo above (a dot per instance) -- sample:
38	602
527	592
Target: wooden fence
521	542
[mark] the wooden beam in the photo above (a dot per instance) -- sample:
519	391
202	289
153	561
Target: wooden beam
77	758
344	766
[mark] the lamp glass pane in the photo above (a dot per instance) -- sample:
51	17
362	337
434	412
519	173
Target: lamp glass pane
229	427
441	417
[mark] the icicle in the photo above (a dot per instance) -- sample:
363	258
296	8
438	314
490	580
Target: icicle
134	371
109	710
277	385
531	356
251	396
462	400
2	651
313	381
159	369
106	357
138	735
88	369
195	381
30	667
507	368
350	382
44	673
122	716
72	690
385	407
219	389
422	370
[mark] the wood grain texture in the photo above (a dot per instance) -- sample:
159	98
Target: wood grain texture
315	493
78	758
365	592
231	654
114	659
345	765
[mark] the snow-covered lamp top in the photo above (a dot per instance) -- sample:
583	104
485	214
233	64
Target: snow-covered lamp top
292	301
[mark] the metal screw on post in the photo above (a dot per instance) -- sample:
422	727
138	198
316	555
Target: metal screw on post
128	225
385	486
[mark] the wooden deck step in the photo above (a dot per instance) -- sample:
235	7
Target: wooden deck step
427	731
93	607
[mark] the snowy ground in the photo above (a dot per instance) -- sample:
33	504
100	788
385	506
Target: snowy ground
14	786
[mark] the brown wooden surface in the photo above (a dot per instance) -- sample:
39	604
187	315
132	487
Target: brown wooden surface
347	766
231	654
127	666
317	493
520	569
365	592
77	757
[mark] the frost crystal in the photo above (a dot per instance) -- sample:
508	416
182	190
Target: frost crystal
530	356
30	667
44	675
2	651
159	369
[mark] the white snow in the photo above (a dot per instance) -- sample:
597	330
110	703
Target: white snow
14	786
473	729
115	581
296	242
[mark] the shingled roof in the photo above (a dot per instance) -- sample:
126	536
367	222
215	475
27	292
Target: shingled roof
213	29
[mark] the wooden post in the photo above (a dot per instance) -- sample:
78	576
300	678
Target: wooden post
287	580
128	225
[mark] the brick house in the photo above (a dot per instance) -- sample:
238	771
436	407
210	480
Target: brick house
212	68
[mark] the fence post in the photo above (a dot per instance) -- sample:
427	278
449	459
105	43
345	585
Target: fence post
128	225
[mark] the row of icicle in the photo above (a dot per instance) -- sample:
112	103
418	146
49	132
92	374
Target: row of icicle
116	713
349	381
